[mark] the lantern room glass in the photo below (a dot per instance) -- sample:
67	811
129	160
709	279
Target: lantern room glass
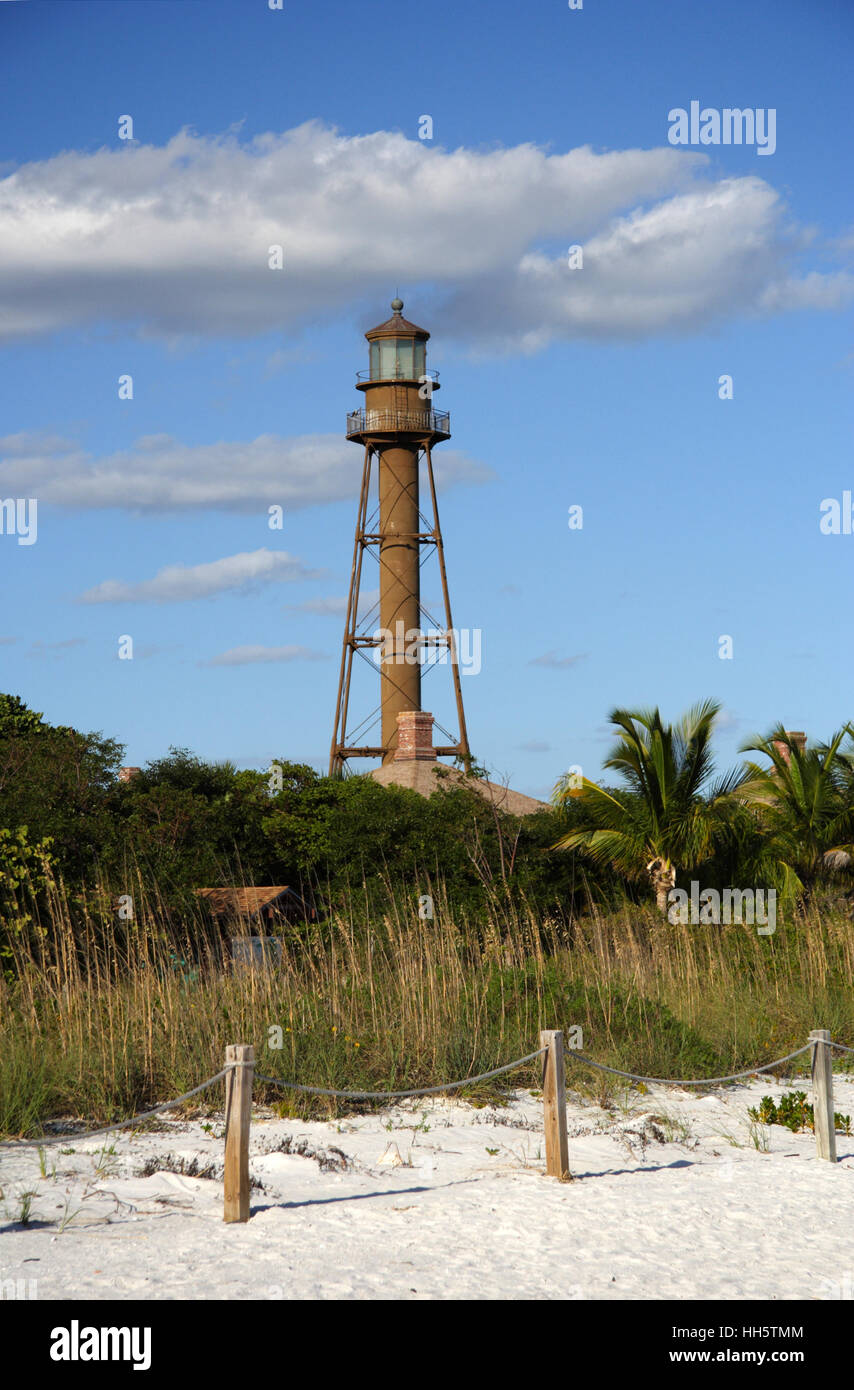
398	359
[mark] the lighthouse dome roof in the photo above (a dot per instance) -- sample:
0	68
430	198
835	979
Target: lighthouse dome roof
397	326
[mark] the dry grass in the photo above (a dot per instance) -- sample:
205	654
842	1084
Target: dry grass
99	1018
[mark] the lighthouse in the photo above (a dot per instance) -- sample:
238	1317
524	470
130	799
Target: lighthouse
397	428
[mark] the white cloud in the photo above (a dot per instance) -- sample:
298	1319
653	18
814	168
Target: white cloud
336	605
247	656
814	291
160	474
175	239
38	645
557	663
845	242
711	252
728	721
178	583
38	649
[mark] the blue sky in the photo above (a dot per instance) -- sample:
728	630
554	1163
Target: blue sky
596	387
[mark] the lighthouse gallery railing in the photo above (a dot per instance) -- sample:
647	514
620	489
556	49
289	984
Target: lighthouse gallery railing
434	421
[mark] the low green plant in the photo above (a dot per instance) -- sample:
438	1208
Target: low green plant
67	1214
794	1112
43	1168
677	1130
25	1200
758	1136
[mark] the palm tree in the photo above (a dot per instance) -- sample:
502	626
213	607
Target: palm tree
667	817
804	803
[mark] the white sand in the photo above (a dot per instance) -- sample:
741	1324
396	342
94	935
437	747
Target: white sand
685	1209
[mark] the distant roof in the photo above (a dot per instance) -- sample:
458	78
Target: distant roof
397	326
427	777
245	902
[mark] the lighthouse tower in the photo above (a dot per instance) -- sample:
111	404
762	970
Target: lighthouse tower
397	427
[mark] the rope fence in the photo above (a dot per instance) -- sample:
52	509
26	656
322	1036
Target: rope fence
239	1076
46	1139
401	1095
696	1081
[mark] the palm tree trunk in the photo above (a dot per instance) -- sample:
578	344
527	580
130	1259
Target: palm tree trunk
662	876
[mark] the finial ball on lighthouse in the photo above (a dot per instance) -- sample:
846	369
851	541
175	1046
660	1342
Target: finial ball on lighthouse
397	305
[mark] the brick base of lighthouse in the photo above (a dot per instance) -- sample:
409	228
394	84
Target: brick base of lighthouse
415	767
414	737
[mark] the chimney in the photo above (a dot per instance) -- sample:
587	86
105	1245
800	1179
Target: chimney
126	773
414	736
798	739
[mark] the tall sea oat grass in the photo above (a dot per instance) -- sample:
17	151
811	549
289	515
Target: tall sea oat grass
100	1019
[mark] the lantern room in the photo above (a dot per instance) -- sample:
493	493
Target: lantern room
398	350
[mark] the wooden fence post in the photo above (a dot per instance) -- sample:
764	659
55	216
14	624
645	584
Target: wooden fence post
822	1081
238	1113
554	1107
